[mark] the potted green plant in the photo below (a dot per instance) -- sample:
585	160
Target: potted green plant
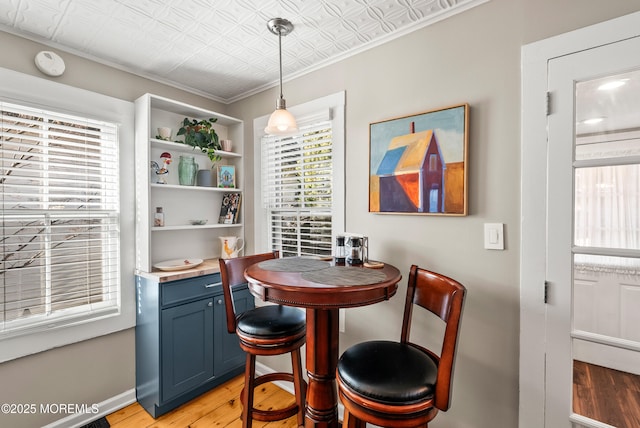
200	134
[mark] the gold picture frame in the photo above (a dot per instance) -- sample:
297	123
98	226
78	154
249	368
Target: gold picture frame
418	164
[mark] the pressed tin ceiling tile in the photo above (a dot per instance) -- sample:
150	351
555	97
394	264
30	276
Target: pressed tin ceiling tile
220	49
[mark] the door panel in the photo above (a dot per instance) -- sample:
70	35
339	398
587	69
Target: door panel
187	347
593	242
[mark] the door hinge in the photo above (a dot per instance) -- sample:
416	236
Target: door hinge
546	292
548	103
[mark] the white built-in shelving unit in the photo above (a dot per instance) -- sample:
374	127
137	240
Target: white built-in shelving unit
178	238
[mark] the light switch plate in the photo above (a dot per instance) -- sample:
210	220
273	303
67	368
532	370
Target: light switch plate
494	236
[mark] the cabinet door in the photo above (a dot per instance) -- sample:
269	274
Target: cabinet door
187	347
227	352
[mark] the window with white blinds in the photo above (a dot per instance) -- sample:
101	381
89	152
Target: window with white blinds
298	192
60	219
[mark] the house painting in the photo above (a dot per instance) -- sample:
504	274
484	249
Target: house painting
410	176
414	176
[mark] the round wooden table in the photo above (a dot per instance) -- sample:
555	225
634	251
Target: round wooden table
322	288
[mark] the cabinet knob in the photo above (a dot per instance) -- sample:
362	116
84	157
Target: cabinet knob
210	304
219	301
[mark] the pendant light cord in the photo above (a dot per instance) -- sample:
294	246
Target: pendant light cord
280	54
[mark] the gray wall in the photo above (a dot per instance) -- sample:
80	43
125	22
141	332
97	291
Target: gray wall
50	377
473	58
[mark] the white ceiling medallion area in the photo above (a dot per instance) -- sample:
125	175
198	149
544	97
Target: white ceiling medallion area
220	49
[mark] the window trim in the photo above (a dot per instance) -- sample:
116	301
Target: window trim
55	96
330	107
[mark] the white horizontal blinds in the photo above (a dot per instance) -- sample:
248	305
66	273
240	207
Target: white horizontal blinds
60	217
297	187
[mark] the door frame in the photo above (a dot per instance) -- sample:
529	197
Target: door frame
533	227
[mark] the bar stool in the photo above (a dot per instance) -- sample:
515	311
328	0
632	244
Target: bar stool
402	384
265	330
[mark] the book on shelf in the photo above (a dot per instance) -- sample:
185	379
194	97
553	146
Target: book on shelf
230	208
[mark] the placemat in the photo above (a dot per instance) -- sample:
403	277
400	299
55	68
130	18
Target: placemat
293	264
345	275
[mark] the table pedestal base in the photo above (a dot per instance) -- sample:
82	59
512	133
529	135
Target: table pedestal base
321	409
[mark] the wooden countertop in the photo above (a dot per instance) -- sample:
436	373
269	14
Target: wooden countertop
207	267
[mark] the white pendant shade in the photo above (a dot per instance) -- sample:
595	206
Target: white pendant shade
281	122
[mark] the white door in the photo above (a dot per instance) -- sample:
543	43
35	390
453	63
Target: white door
592	319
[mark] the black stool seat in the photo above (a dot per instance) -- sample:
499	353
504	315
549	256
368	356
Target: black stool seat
388	372
272	321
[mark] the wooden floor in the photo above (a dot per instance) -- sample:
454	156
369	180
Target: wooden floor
219	407
599	393
606	395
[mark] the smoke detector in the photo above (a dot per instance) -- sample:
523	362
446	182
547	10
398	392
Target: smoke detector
50	63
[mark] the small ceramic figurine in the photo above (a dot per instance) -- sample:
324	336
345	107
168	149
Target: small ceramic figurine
162	171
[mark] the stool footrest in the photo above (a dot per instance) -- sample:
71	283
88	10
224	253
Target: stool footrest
273	414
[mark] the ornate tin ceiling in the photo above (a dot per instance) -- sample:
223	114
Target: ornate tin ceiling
221	49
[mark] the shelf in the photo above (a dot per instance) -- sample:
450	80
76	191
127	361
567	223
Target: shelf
183	148
182	109
199	188
190	227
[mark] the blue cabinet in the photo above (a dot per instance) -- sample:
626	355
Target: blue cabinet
182	345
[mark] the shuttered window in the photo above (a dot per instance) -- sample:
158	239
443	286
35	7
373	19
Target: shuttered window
298	190
60	219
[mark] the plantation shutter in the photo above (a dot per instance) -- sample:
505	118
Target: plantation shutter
60	219
298	190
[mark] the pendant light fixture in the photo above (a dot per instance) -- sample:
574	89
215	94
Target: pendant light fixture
281	121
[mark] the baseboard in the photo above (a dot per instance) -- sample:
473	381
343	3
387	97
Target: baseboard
105	408
616	358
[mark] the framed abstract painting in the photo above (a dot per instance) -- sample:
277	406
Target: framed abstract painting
418	163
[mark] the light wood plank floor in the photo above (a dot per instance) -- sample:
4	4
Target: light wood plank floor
219	407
